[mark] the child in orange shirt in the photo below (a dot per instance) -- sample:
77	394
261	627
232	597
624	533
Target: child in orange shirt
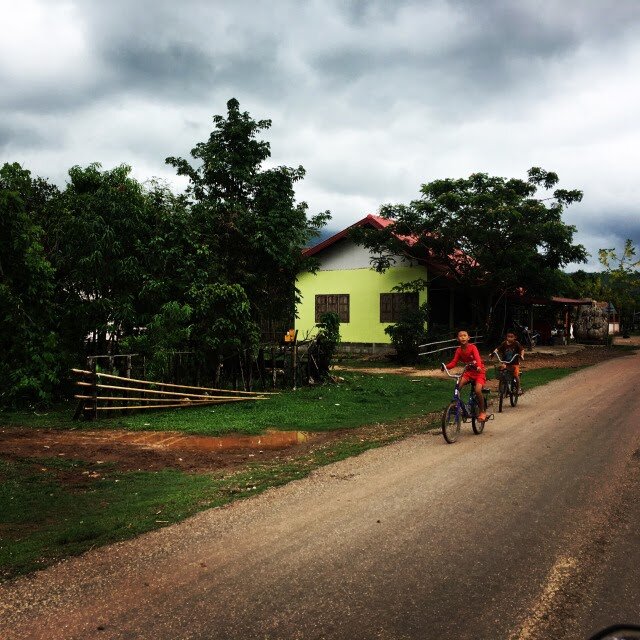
468	354
507	350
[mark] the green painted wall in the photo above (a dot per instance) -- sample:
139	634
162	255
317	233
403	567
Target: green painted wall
364	287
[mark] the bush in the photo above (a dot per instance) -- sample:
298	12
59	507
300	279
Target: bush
323	348
408	333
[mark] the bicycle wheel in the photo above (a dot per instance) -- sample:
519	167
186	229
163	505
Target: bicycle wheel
476	425
501	393
451	420
515	390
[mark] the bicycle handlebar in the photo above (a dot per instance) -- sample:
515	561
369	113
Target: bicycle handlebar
457	375
515	355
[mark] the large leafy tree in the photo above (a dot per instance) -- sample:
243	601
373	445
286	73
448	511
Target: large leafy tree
251	231
584	284
100	235
30	361
490	234
622	278
171	258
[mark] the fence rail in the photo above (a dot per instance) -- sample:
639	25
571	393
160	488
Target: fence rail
473	340
146	394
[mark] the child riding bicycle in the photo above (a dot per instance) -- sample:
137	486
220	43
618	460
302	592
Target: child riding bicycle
512	352
469	355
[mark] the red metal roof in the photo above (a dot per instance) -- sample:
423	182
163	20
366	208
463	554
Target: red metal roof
375	221
573	301
522	296
379	222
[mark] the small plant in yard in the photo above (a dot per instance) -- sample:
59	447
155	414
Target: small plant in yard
323	348
408	333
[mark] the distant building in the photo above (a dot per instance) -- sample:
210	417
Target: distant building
363	298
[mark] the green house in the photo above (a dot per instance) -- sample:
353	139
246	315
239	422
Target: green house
364	299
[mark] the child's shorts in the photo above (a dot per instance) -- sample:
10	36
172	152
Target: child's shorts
475	376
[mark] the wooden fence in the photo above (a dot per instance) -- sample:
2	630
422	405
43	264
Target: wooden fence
103	392
450	344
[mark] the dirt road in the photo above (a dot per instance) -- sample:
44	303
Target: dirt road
502	535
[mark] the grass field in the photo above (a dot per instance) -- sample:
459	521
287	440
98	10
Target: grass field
52	508
360	399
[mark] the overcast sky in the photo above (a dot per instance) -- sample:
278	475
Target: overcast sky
373	98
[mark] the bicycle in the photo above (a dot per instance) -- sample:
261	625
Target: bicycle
507	383
459	411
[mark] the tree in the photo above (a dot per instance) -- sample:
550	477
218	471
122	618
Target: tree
30	356
166	333
407	334
171	260
322	349
622	277
101	233
584	284
491	234
251	230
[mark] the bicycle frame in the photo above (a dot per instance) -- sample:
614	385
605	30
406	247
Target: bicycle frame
506	378
466	409
460	411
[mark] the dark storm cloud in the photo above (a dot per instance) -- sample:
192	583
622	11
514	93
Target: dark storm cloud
166	68
21	137
613	225
492	49
372	97
181	71
180	51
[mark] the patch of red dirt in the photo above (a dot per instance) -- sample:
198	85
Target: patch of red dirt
150	451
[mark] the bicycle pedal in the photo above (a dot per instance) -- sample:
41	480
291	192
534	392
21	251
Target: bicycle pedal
491	416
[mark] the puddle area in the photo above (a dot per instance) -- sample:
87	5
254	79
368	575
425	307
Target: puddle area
267	440
33	443
170	440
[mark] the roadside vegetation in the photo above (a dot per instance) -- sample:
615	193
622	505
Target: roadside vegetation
52	508
359	399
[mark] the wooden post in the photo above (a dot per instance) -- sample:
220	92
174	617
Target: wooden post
294	358
241	362
273	365
94	390
79	409
128	373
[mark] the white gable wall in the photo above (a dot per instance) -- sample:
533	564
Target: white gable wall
345	255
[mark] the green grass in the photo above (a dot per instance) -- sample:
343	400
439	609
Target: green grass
46	515
361	399
52	508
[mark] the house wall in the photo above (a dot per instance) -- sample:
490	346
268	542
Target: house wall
364	286
345	255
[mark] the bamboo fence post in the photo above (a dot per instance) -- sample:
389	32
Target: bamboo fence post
241	362
273	366
294	358
94	389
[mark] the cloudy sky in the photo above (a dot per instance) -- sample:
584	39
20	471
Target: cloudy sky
373	98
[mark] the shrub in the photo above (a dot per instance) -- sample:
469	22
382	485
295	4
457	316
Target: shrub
408	333
323	348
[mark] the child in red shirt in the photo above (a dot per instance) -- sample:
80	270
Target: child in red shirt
468	354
